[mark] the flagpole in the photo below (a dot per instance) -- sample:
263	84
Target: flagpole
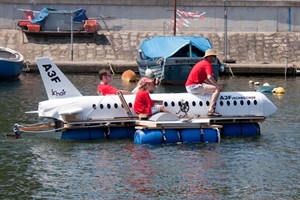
175	10
225	31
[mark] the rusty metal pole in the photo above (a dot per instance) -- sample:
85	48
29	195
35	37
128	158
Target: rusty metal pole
72	52
175	10
225	31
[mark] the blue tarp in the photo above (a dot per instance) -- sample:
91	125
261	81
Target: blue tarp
79	15
166	46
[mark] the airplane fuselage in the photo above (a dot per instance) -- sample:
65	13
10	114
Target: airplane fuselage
110	106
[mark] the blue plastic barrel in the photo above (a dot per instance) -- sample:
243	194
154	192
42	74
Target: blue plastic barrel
231	130
83	134
251	129
148	137
171	136
211	135
120	132
191	135
242	129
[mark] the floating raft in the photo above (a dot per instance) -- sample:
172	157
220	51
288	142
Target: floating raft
158	129
153	131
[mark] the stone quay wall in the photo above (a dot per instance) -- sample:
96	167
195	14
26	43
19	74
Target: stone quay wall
121	48
258	31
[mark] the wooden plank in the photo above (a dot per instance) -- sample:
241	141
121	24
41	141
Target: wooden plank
190	126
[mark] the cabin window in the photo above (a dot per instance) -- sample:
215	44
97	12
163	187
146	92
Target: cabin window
201	103
234	103
172	103
248	102
221	103
130	105
108	106
207	103
194	103
116	105
255	102
228	103
101	106
94	106
166	104
242	102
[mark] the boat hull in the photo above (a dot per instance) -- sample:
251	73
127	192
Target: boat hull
11	63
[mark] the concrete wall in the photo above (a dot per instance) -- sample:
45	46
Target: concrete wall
258	30
154	15
122	46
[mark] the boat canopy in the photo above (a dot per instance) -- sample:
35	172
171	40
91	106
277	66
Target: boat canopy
166	46
79	15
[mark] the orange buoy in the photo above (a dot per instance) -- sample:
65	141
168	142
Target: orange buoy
129	76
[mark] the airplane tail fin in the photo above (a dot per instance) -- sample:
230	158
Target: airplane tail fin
57	85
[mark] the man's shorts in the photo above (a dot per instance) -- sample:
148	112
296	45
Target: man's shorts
196	88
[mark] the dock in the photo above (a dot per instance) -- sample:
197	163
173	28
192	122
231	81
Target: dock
120	66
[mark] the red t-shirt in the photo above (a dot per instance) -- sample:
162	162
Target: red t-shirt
143	103
105	89
199	73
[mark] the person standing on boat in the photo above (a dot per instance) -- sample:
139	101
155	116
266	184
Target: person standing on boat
201	81
104	87
143	103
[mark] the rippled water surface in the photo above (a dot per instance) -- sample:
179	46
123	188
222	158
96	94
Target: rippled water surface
42	166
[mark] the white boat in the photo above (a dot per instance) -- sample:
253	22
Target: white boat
11	63
171	58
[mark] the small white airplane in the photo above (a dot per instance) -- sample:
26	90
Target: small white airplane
65	101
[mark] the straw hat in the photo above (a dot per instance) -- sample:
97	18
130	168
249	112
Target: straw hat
210	52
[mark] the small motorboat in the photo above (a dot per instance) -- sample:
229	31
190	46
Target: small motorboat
11	63
171	58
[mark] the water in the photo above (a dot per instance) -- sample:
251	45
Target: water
41	166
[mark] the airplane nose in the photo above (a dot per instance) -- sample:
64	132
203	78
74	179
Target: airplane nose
269	107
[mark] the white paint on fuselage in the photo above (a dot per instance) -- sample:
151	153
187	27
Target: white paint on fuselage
104	107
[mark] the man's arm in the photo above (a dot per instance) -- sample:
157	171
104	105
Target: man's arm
211	80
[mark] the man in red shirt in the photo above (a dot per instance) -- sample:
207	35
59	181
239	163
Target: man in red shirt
201	81
105	88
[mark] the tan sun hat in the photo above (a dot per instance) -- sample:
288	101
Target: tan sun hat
210	52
